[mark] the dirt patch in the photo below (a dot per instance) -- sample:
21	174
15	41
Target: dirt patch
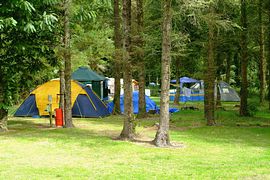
148	142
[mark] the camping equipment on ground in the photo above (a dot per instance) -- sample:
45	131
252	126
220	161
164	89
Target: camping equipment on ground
85	103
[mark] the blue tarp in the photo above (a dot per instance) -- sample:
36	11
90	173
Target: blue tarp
150	104
185	80
193	97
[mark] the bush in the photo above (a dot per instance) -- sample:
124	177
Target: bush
252	108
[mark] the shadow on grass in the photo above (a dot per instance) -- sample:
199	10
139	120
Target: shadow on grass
190	125
28	130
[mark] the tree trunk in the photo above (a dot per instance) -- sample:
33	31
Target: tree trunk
62	89
236	61
142	104
67	59
228	67
262	59
118	58
268	59
209	80
128	132
218	99
177	93
244	61
162	136
140	58
3	111
219	62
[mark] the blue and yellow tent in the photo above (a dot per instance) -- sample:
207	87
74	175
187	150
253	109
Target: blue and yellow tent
85	103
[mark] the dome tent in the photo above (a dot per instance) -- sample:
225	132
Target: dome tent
85	103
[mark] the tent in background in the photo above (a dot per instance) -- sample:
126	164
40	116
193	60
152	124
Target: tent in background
227	92
186	80
194	95
85	103
98	82
150	104
197	91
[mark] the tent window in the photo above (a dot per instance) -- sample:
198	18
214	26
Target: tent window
225	90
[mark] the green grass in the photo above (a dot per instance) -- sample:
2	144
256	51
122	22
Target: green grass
238	148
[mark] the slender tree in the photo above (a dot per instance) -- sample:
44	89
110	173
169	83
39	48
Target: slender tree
244	60
268	59
118	58
62	89
140	57
128	131
3	110
262	59
209	80
228	66
162	136
177	93
67	60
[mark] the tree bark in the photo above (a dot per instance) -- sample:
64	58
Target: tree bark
219	62
162	138
244	61
268	59
62	89
140	58
3	111
209	80
67	59
228	67
262	59
128	132
142	104
177	93
118	58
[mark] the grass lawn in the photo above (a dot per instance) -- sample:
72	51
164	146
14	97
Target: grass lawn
238	148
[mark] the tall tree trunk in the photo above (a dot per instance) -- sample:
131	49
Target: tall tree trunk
128	131
62	89
3	111
118	58
218	99
219	62
244	61
217	85
162	136
262	59
268	59
140	58
142	103
177	93
67	59
209	80
236	61
228	67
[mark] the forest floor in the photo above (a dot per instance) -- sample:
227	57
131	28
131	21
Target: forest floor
237	148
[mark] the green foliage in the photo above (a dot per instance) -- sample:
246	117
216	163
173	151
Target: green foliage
27	44
253	108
